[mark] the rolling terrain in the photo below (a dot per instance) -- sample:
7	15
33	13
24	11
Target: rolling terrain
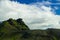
12	29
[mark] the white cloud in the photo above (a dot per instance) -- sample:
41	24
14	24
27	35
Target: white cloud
36	17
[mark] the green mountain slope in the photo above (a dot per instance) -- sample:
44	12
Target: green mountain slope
17	30
13	25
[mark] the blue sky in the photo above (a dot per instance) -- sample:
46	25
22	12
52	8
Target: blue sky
37	14
33	1
55	3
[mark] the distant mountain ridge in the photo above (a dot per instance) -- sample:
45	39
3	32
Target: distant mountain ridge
12	29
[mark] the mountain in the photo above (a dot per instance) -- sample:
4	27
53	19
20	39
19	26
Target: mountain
12	29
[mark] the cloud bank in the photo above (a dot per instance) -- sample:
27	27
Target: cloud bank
36	16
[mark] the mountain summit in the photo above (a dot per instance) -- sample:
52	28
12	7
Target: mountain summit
13	25
12	29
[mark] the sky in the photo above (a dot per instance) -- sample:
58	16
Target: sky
37	14
54	3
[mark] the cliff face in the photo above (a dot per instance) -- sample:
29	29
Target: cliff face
17	30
